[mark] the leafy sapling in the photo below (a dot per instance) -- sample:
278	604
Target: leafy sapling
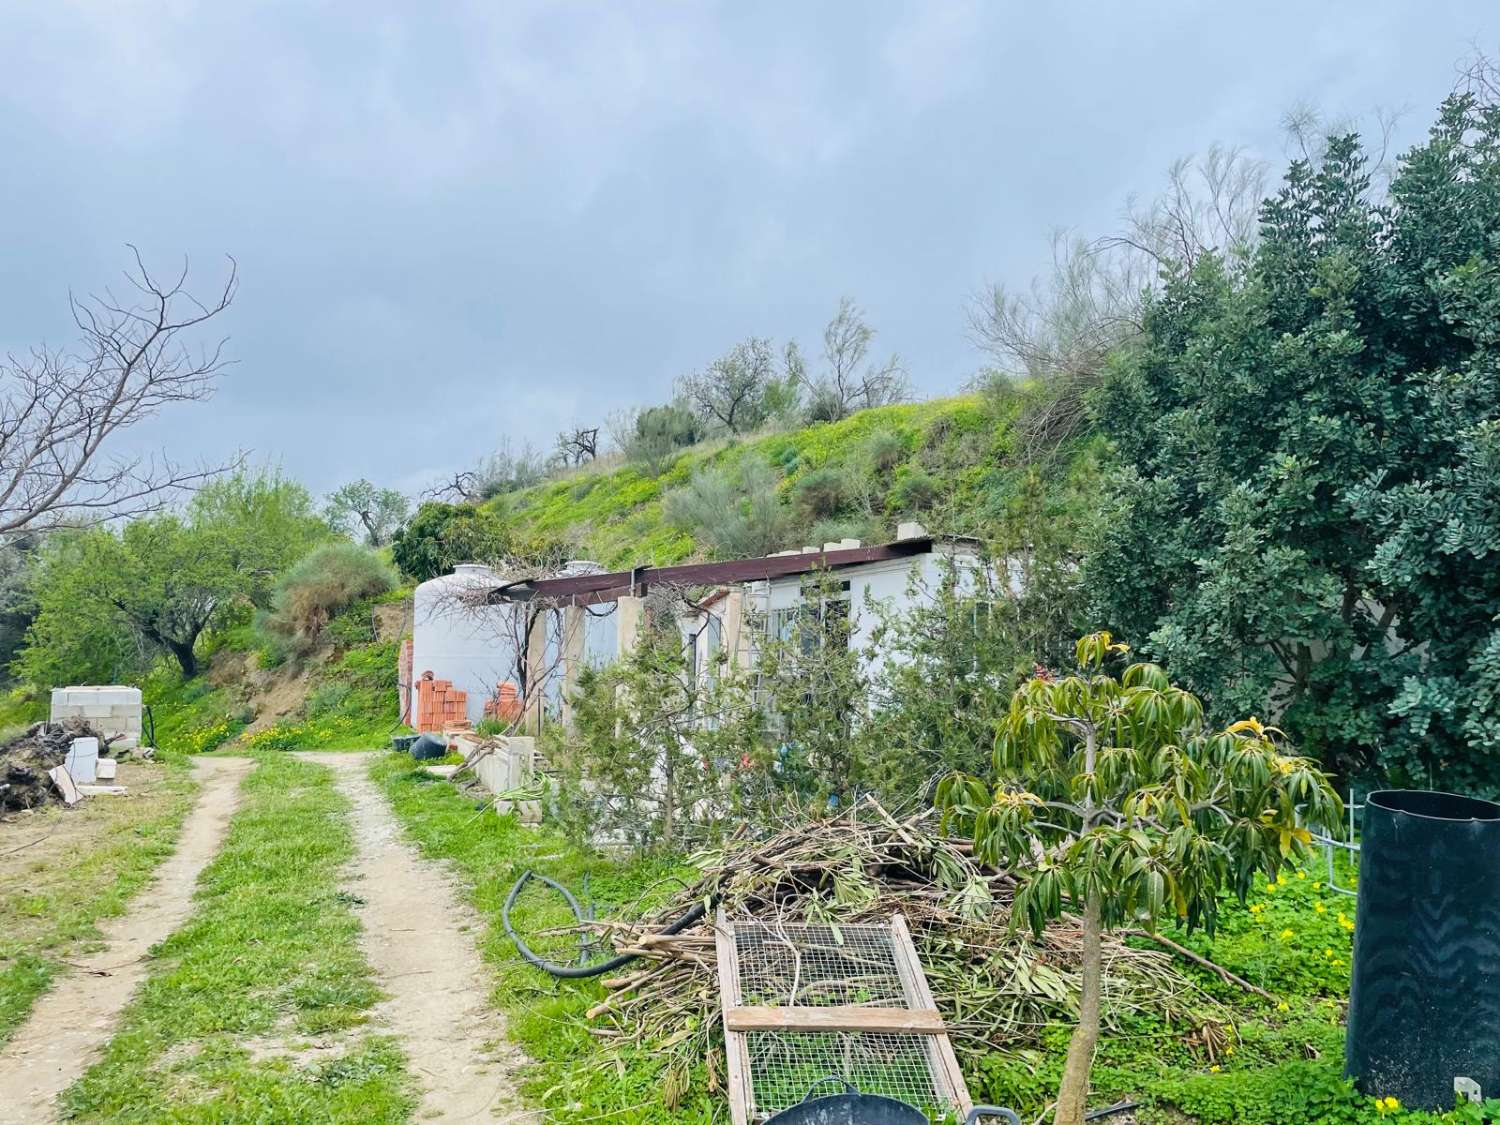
1113	802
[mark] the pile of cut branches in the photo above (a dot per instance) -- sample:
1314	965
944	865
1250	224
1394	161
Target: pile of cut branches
25	760
998	988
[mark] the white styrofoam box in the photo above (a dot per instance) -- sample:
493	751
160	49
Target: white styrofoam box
106	769
83	760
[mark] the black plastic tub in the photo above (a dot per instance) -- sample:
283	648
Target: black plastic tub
1424	1006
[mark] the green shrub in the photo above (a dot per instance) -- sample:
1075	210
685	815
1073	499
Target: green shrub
440	535
915	492
331	578
831	531
884	450
328	698
820	493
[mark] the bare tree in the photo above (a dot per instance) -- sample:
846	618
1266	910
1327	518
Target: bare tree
849	383
60	410
578	445
1060	330
505	470
1479	75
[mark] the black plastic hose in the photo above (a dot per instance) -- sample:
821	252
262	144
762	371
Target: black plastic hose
574	972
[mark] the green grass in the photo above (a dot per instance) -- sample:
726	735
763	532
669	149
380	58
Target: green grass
961	443
1270	1065
545	1015
270	954
87	865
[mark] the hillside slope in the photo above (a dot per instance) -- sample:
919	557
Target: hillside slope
947	462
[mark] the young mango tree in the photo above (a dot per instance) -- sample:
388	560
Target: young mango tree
1112	801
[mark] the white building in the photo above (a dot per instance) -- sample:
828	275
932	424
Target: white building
539	634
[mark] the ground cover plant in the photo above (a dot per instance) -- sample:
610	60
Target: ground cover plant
62	871
268	964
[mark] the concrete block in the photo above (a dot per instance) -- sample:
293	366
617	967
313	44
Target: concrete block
83	760
105	769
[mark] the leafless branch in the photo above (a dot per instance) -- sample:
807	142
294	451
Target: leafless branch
59	410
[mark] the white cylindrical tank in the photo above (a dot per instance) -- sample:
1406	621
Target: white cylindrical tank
458	638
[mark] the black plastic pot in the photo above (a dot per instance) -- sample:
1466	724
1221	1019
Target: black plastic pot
1424	1007
427	747
853	1108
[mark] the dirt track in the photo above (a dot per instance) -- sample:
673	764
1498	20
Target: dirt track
72	1021
438	988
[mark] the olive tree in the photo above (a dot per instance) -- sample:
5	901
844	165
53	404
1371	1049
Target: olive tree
1113	801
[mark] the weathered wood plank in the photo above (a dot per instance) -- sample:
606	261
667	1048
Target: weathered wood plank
736	1054
842	1018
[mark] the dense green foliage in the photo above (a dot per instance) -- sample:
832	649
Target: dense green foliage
111	601
1307	518
652	744
440	536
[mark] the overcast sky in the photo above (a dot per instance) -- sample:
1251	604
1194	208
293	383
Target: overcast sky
460	221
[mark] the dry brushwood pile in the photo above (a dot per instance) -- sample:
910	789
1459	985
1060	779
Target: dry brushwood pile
25	760
998	989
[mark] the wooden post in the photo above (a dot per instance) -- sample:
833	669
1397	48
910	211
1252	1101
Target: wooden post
736	1054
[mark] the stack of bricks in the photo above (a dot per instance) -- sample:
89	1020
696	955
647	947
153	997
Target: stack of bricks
439	704
113	710
505	704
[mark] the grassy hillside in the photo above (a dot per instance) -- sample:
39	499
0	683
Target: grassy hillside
947	462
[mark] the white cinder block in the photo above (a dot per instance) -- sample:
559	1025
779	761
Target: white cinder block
106	769
83	760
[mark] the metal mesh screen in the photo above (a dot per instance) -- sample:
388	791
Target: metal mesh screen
785	1066
811	966
823	965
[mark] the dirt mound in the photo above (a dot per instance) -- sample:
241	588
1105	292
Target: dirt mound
25	760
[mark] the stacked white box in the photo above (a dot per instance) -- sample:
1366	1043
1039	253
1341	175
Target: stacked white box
113	709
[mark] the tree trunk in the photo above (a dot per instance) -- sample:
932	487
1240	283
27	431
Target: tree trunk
1073	1093
186	659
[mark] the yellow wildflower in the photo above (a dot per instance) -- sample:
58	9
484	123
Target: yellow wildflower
1317	886
1214	1069
1320	908
1285	934
1283	1007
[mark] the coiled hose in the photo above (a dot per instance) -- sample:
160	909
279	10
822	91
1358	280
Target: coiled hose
574	972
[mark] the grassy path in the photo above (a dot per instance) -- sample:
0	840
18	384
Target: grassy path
73	1020
64	871
416	934
254	1010
545	1016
